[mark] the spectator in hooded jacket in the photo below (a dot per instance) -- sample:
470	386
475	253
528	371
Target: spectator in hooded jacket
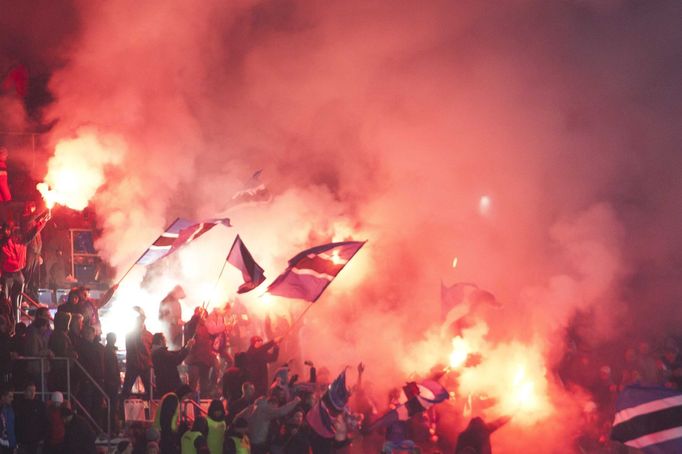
201	357
112	378
138	357
166	363
60	344
257	358
31	421
36	345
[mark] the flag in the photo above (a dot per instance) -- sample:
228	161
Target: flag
253	192
420	397
178	234
321	417
241	258
312	270
649	419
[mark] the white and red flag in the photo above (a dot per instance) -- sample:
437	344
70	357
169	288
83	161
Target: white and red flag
177	235
311	271
241	258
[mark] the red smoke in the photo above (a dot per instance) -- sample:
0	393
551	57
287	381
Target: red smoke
389	122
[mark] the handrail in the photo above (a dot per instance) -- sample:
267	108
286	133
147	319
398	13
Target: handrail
89	416
70	395
101	390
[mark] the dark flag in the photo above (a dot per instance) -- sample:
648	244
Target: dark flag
180	233
312	270
321	417
649	419
241	258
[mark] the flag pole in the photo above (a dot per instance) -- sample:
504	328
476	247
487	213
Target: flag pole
215	286
298	319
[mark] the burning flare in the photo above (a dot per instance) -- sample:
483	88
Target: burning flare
77	169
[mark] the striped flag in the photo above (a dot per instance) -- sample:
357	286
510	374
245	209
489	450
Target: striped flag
241	258
178	234
649	419
321	417
420	397
312	270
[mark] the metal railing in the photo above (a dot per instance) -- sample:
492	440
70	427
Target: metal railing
43	392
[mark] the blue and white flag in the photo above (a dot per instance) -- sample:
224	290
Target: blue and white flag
649	419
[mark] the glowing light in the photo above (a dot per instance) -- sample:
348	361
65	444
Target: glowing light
76	171
266	299
336	259
484	204
460	352
454	262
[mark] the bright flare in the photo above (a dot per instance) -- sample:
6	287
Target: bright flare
454	262
76	171
460	352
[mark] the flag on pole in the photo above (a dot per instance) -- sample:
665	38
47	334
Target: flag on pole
649	419
311	271
254	191
178	234
241	258
321	417
420	397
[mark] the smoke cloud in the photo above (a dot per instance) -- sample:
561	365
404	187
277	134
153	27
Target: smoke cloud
388	121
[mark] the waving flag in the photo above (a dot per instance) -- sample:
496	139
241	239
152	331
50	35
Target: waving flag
312	270
420	397
321	417
649	419
180	233
241	258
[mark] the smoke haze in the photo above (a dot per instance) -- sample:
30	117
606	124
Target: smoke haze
388	121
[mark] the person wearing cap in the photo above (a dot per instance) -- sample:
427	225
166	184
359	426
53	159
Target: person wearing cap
54	439
258	356
237	439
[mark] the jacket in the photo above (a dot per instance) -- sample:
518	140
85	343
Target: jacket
138	349
166	368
